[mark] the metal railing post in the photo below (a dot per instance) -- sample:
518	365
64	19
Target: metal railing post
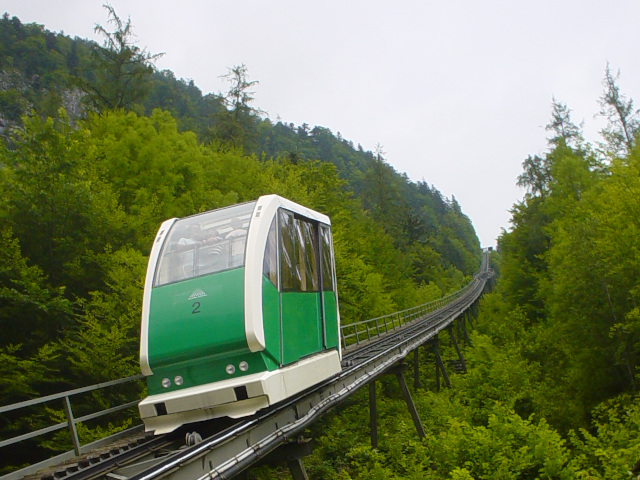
72	426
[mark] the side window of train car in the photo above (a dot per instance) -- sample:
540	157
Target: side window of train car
270	263
308	255
327	259
288	276
299	254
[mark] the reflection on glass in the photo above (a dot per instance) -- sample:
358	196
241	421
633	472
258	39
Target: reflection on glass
299	256
327	264
270	262
205	243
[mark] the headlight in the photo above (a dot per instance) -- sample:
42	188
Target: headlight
166	383
178	380
244	366
230	369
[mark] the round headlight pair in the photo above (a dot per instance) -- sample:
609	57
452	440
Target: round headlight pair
178	380
231	369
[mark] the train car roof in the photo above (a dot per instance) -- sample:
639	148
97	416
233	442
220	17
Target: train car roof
294	207
269	199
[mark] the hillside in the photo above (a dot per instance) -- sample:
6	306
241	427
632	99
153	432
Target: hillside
45	71
98	148
89	169
551	390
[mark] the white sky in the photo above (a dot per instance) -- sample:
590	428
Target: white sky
457	92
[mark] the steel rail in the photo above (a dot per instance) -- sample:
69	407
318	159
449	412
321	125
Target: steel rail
251	439
232	451
93	467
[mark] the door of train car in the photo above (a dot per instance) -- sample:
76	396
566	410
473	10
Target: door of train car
329	291
308	298
300	299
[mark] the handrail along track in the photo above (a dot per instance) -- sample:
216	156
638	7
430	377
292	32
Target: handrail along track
370	347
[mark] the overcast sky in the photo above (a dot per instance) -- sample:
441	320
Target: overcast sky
456	92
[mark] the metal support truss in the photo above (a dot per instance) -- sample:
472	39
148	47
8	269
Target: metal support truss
439	365
455	344
399	370
416	369
296	467
292	453
463	321
468	314
373	414
252	439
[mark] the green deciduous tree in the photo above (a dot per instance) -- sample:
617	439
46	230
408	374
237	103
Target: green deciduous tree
56	204
612	447
82	199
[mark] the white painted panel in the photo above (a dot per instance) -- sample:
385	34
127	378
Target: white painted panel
146	298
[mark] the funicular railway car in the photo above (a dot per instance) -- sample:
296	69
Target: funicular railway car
240	311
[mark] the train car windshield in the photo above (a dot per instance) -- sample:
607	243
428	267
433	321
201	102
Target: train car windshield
204	244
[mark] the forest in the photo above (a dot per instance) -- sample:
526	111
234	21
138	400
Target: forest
98	148
551	391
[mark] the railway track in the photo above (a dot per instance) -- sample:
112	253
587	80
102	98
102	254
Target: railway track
222	449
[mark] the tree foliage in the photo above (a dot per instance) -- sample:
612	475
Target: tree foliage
623	120
120	70
566	303
551	387
550	391
84	190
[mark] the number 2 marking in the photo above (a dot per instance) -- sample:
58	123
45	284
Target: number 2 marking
196	307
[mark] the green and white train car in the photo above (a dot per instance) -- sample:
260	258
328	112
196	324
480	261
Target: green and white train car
240	311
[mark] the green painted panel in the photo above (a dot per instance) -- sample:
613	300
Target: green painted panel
197	318
271	321
301	325
330	319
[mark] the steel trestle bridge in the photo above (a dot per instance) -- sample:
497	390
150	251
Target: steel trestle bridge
371	349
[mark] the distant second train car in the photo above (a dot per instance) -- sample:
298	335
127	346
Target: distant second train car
240	311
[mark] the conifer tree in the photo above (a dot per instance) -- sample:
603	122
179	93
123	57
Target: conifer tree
121	70
624	120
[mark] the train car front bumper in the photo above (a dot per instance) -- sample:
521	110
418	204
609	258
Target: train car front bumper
236	397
